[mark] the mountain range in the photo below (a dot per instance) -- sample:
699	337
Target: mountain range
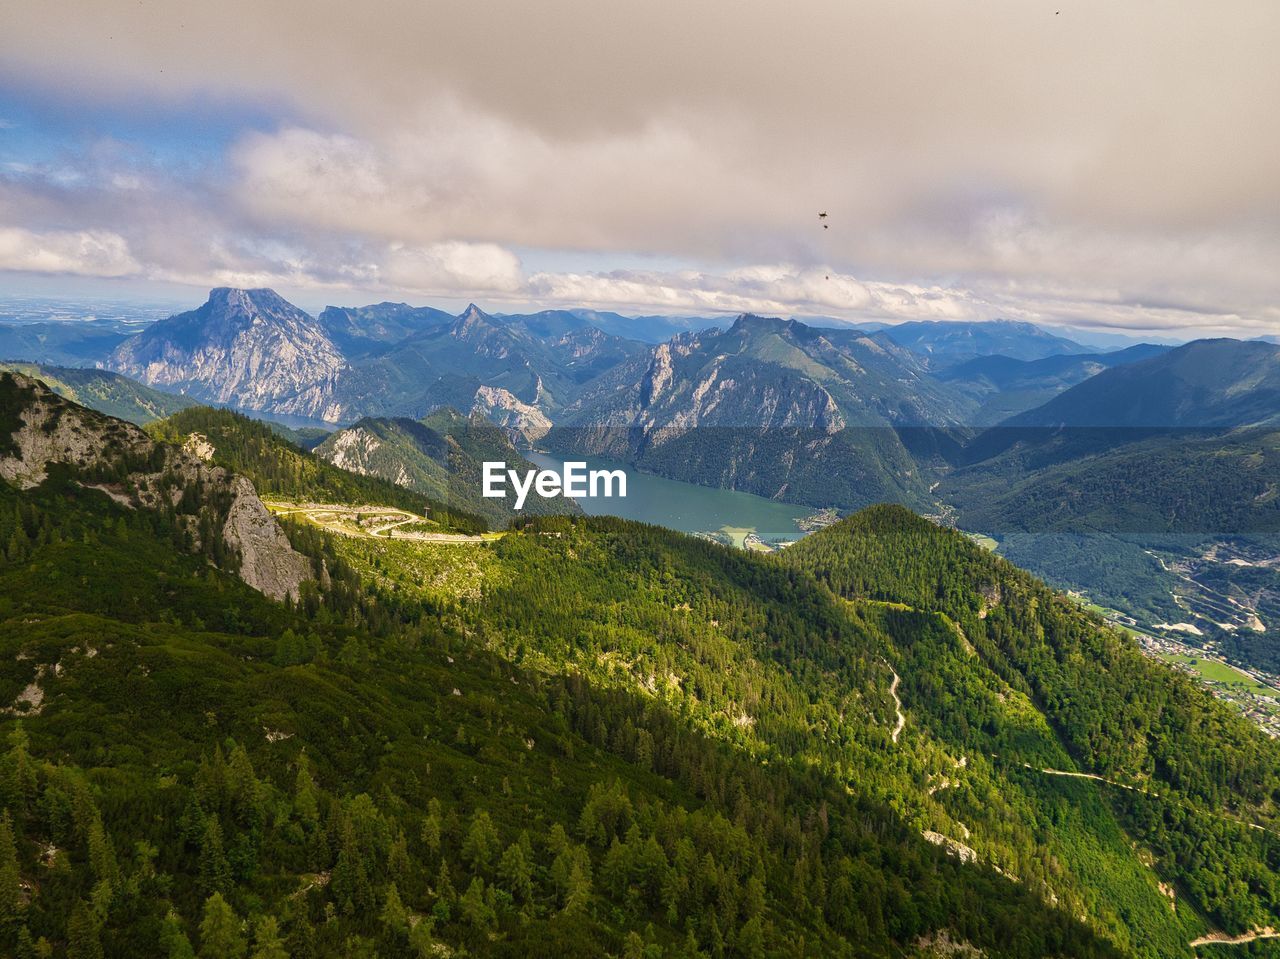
999	427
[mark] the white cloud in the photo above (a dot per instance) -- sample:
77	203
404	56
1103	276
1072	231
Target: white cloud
452	269
769	289
83	252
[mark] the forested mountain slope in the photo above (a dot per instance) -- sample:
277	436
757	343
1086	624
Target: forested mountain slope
456	363
280	469
770	407
947	342
201	509
1197	783
65	343
426	770
1005	386
110	393
441	457
1215	482
960	743
1206	383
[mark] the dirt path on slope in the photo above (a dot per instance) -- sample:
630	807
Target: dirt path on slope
902	717
1222	939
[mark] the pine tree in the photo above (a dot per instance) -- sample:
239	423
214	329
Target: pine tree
395	918
302	935
481	842
10	877
21	782
398	859
516	873
174	938
83	936
102	855
633	946
349	881
750	939
444	884
26	947
244	790
267	943
306	801
192	823
421	943
578	890
431	833
215	872
220	935
474	909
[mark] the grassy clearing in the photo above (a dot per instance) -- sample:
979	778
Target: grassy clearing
441	571
1215	671
737	534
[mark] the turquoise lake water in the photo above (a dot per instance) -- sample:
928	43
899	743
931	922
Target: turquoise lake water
687	507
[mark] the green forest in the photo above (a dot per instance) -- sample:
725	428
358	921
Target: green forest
589	737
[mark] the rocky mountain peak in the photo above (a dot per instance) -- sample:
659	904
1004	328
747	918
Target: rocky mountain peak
250	349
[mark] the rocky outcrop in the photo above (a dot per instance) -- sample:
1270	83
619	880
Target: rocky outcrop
121	461
267	562
524	423
48	429
351	449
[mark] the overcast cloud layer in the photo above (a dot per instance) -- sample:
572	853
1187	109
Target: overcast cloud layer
1098	164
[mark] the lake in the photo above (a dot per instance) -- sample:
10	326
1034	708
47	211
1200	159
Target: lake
687	507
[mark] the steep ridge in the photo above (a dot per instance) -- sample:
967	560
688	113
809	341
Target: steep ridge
79	343
1204	384
282	470
105	392
1006	386
361	330
216	511
946	343
490	362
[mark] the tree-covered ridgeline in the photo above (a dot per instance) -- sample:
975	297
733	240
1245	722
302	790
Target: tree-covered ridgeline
1204	780
204	771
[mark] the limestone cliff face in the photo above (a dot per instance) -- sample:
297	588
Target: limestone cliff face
524	422
48	431
45	429
249	349
267	562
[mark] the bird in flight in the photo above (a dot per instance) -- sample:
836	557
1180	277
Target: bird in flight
822	216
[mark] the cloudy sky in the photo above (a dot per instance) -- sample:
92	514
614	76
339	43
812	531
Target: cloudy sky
1096	164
